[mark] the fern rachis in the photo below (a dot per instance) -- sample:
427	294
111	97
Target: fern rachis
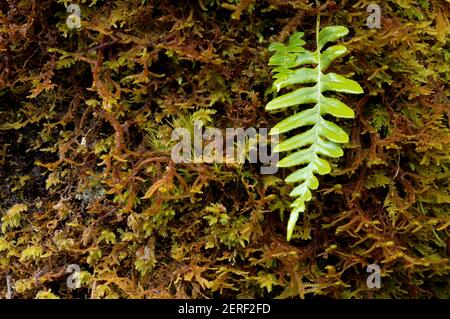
324	137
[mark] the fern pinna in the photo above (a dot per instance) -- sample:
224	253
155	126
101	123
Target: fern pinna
322	136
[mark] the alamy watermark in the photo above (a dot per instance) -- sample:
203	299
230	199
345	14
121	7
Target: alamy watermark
374	19
73	21
211	145
74	280
374	280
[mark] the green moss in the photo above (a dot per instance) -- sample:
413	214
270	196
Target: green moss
85	122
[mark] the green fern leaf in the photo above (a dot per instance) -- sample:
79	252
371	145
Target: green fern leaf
322	137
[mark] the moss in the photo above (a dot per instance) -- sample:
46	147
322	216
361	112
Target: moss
85	117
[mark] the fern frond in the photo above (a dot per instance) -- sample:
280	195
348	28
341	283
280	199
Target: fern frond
322	138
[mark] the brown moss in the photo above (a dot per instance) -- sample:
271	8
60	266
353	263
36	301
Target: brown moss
76	108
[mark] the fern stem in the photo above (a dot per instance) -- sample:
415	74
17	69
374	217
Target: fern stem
319	86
